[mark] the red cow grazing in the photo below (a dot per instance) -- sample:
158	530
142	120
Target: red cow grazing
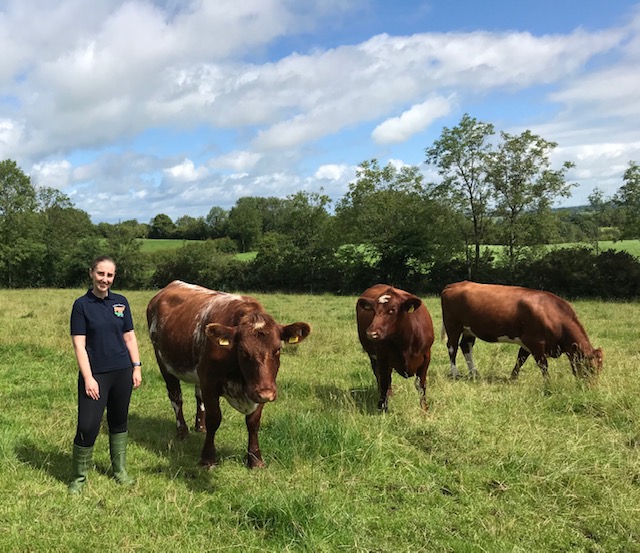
225	344
396	331
541	323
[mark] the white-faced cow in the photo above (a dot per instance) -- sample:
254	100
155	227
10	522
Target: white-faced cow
541	323
225	344
396	331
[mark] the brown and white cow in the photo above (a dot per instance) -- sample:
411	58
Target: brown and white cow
225	344
541	323
396	331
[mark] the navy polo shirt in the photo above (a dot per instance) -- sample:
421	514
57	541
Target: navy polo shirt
103	322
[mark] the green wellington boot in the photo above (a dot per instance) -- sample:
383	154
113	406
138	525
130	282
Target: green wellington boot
118	450
79	466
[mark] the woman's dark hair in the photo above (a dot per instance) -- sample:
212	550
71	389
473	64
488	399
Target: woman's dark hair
100	259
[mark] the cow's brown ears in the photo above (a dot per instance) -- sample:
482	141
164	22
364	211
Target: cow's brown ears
220	334
412	304
294	333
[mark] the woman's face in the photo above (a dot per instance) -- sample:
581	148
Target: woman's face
102	277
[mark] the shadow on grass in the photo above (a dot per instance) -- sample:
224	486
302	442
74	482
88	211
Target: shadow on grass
332	397
175	459
52	461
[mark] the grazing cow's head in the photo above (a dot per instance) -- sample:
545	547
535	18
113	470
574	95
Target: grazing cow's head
595	361
588	365
255	344
387	312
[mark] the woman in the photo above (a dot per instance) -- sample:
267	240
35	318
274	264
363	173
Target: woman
107	354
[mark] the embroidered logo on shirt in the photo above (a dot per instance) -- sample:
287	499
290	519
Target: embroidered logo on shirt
118	309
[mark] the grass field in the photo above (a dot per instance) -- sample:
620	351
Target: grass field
154	245
493	466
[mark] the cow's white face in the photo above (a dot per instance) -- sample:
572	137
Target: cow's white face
387	312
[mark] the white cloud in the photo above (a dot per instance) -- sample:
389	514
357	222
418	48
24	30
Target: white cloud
331	172
414	120
145	88
237	161
52	174
186	171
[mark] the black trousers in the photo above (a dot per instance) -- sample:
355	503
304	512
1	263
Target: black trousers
115	395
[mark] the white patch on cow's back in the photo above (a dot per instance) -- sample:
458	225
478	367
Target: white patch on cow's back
384	298
234	393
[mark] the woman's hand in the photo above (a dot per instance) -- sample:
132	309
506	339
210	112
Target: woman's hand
137	377
92	388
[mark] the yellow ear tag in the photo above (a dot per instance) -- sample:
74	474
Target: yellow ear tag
293	340
411	309
223	341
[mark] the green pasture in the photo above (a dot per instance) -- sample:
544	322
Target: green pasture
630	246
493	466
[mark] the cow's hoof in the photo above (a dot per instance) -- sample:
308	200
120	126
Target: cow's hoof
254	462
454	376
383	406
208	463
424	405
183	432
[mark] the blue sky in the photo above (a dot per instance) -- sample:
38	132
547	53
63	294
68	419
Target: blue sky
135	108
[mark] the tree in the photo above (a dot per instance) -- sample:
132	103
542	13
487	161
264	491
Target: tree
595	215
17	193
71	241
460	154
161	226
124	246
216	220
522	183
388	212
191	228
628	199
20	227
245	223
47	198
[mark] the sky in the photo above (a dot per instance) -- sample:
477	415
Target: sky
136	108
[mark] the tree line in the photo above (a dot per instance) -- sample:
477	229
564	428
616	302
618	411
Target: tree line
390	226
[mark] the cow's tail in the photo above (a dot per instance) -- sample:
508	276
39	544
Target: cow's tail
443	333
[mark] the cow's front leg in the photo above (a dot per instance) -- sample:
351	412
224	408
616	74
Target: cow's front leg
374	364
384	385
421	382
466	345
541	360
254	457
523	355
200	411
175	397
213	418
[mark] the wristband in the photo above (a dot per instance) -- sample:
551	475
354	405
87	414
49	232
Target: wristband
137	364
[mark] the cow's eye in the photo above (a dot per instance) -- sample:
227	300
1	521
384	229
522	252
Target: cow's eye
391	311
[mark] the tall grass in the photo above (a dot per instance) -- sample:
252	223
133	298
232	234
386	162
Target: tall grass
493	465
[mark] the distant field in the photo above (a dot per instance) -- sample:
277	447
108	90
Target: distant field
630	246
154	245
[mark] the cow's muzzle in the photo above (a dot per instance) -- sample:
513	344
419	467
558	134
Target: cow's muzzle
373	335
265	395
